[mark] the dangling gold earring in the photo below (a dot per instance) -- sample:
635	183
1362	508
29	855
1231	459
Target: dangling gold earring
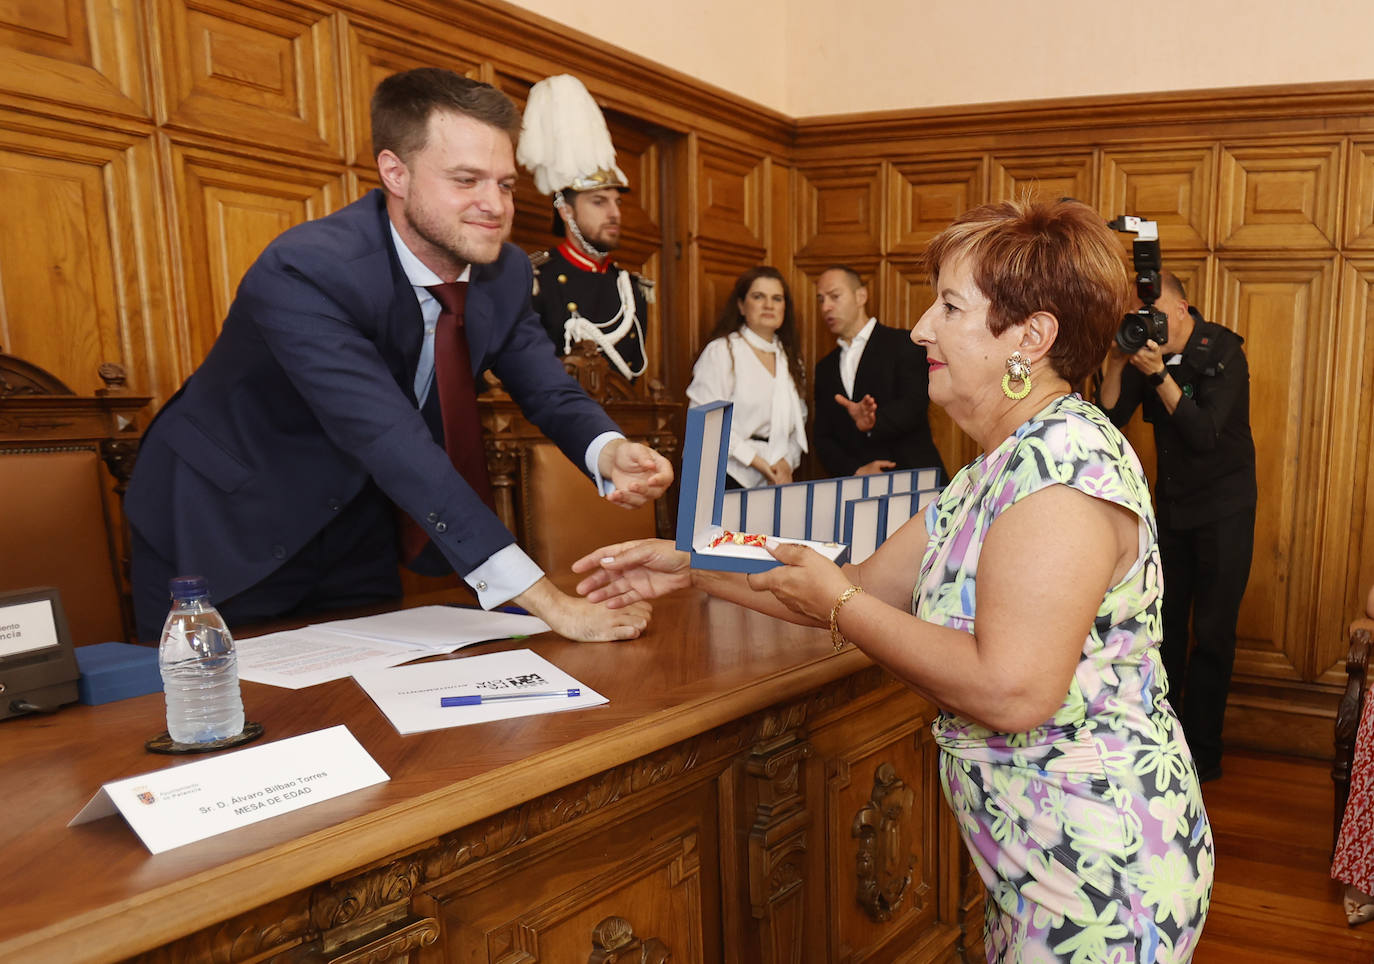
1019	369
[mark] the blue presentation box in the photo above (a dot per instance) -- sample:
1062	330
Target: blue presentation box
116	671
705	451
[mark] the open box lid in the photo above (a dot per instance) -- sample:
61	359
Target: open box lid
705	453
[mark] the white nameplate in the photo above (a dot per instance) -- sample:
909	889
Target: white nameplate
27	626
183	804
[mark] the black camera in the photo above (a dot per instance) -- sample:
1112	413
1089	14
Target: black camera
1146	323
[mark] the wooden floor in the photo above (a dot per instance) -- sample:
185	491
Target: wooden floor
1274	901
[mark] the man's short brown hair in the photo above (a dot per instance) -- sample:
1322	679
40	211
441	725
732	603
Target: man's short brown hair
403	103
1035	255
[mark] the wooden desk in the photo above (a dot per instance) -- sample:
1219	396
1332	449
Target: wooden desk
748	794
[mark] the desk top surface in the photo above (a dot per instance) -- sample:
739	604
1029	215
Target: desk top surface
93	892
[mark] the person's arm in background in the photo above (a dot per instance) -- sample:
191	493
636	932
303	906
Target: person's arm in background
1120	392
1200	419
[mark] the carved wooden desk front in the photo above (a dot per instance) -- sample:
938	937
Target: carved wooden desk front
746	795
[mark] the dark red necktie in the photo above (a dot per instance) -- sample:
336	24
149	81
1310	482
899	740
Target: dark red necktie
457	401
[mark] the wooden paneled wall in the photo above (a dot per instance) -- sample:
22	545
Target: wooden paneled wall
149	149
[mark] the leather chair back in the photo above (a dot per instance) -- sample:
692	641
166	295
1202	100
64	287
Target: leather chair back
565	518
55	531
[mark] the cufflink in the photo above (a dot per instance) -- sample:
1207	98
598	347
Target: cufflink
481	585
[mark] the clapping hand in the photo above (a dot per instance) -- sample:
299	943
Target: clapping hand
864	412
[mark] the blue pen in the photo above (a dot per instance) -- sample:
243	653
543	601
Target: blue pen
477	699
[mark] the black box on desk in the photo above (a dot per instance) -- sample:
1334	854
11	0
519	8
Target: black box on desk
116	671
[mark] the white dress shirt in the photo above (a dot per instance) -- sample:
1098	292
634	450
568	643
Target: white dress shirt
851	353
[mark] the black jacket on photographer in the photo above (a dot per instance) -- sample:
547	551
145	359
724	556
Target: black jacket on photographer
1206	455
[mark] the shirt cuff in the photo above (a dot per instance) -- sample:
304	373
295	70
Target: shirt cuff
603	485
505	574
744	452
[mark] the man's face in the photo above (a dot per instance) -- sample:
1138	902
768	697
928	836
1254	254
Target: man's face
841	304
598	216
1180	322
459	192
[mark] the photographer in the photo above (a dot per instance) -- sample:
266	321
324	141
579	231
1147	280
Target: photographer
1195	390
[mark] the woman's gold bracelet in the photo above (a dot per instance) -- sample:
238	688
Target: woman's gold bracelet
836	636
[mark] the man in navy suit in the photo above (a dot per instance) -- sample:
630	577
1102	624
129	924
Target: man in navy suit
871	391
277	469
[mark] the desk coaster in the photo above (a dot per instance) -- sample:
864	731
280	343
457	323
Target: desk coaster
163	743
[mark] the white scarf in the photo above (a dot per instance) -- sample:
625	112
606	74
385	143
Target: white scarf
787	418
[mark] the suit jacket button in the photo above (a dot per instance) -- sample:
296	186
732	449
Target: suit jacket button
432	517
278	552
335	505
441	527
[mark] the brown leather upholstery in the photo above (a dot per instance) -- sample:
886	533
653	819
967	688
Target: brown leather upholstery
565	518
54	532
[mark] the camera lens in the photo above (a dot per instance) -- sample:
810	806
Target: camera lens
1133	334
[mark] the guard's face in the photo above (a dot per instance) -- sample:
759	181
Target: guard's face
460	189
764	306
598	217
842	306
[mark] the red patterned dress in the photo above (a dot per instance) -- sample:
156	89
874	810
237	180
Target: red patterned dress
1354	860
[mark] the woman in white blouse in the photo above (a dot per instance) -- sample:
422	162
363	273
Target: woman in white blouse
752	360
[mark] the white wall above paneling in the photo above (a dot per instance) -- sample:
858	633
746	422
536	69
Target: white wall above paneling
814	57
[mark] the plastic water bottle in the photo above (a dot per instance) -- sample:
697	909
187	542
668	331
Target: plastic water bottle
200	671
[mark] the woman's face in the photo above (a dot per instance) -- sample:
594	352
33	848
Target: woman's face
966	360
763	306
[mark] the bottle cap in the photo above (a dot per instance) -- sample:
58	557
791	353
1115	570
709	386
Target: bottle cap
189	587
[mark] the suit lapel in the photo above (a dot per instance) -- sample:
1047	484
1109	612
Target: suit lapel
870	362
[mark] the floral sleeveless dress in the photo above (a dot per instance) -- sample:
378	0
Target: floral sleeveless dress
1089	831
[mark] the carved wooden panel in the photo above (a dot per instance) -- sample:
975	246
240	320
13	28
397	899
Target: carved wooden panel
1173	186
882	804
375	53
730	194
555	899
80	282
1279	197
87	54
1062	174
925	196
264	74
1284	312
230	208
839	210
1359	203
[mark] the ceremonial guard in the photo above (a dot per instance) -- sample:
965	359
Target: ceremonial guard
579	292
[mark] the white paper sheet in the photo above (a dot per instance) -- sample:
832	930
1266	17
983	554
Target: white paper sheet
410	695
334	650
178	805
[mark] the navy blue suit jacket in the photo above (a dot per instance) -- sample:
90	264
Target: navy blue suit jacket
893	370
309	391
